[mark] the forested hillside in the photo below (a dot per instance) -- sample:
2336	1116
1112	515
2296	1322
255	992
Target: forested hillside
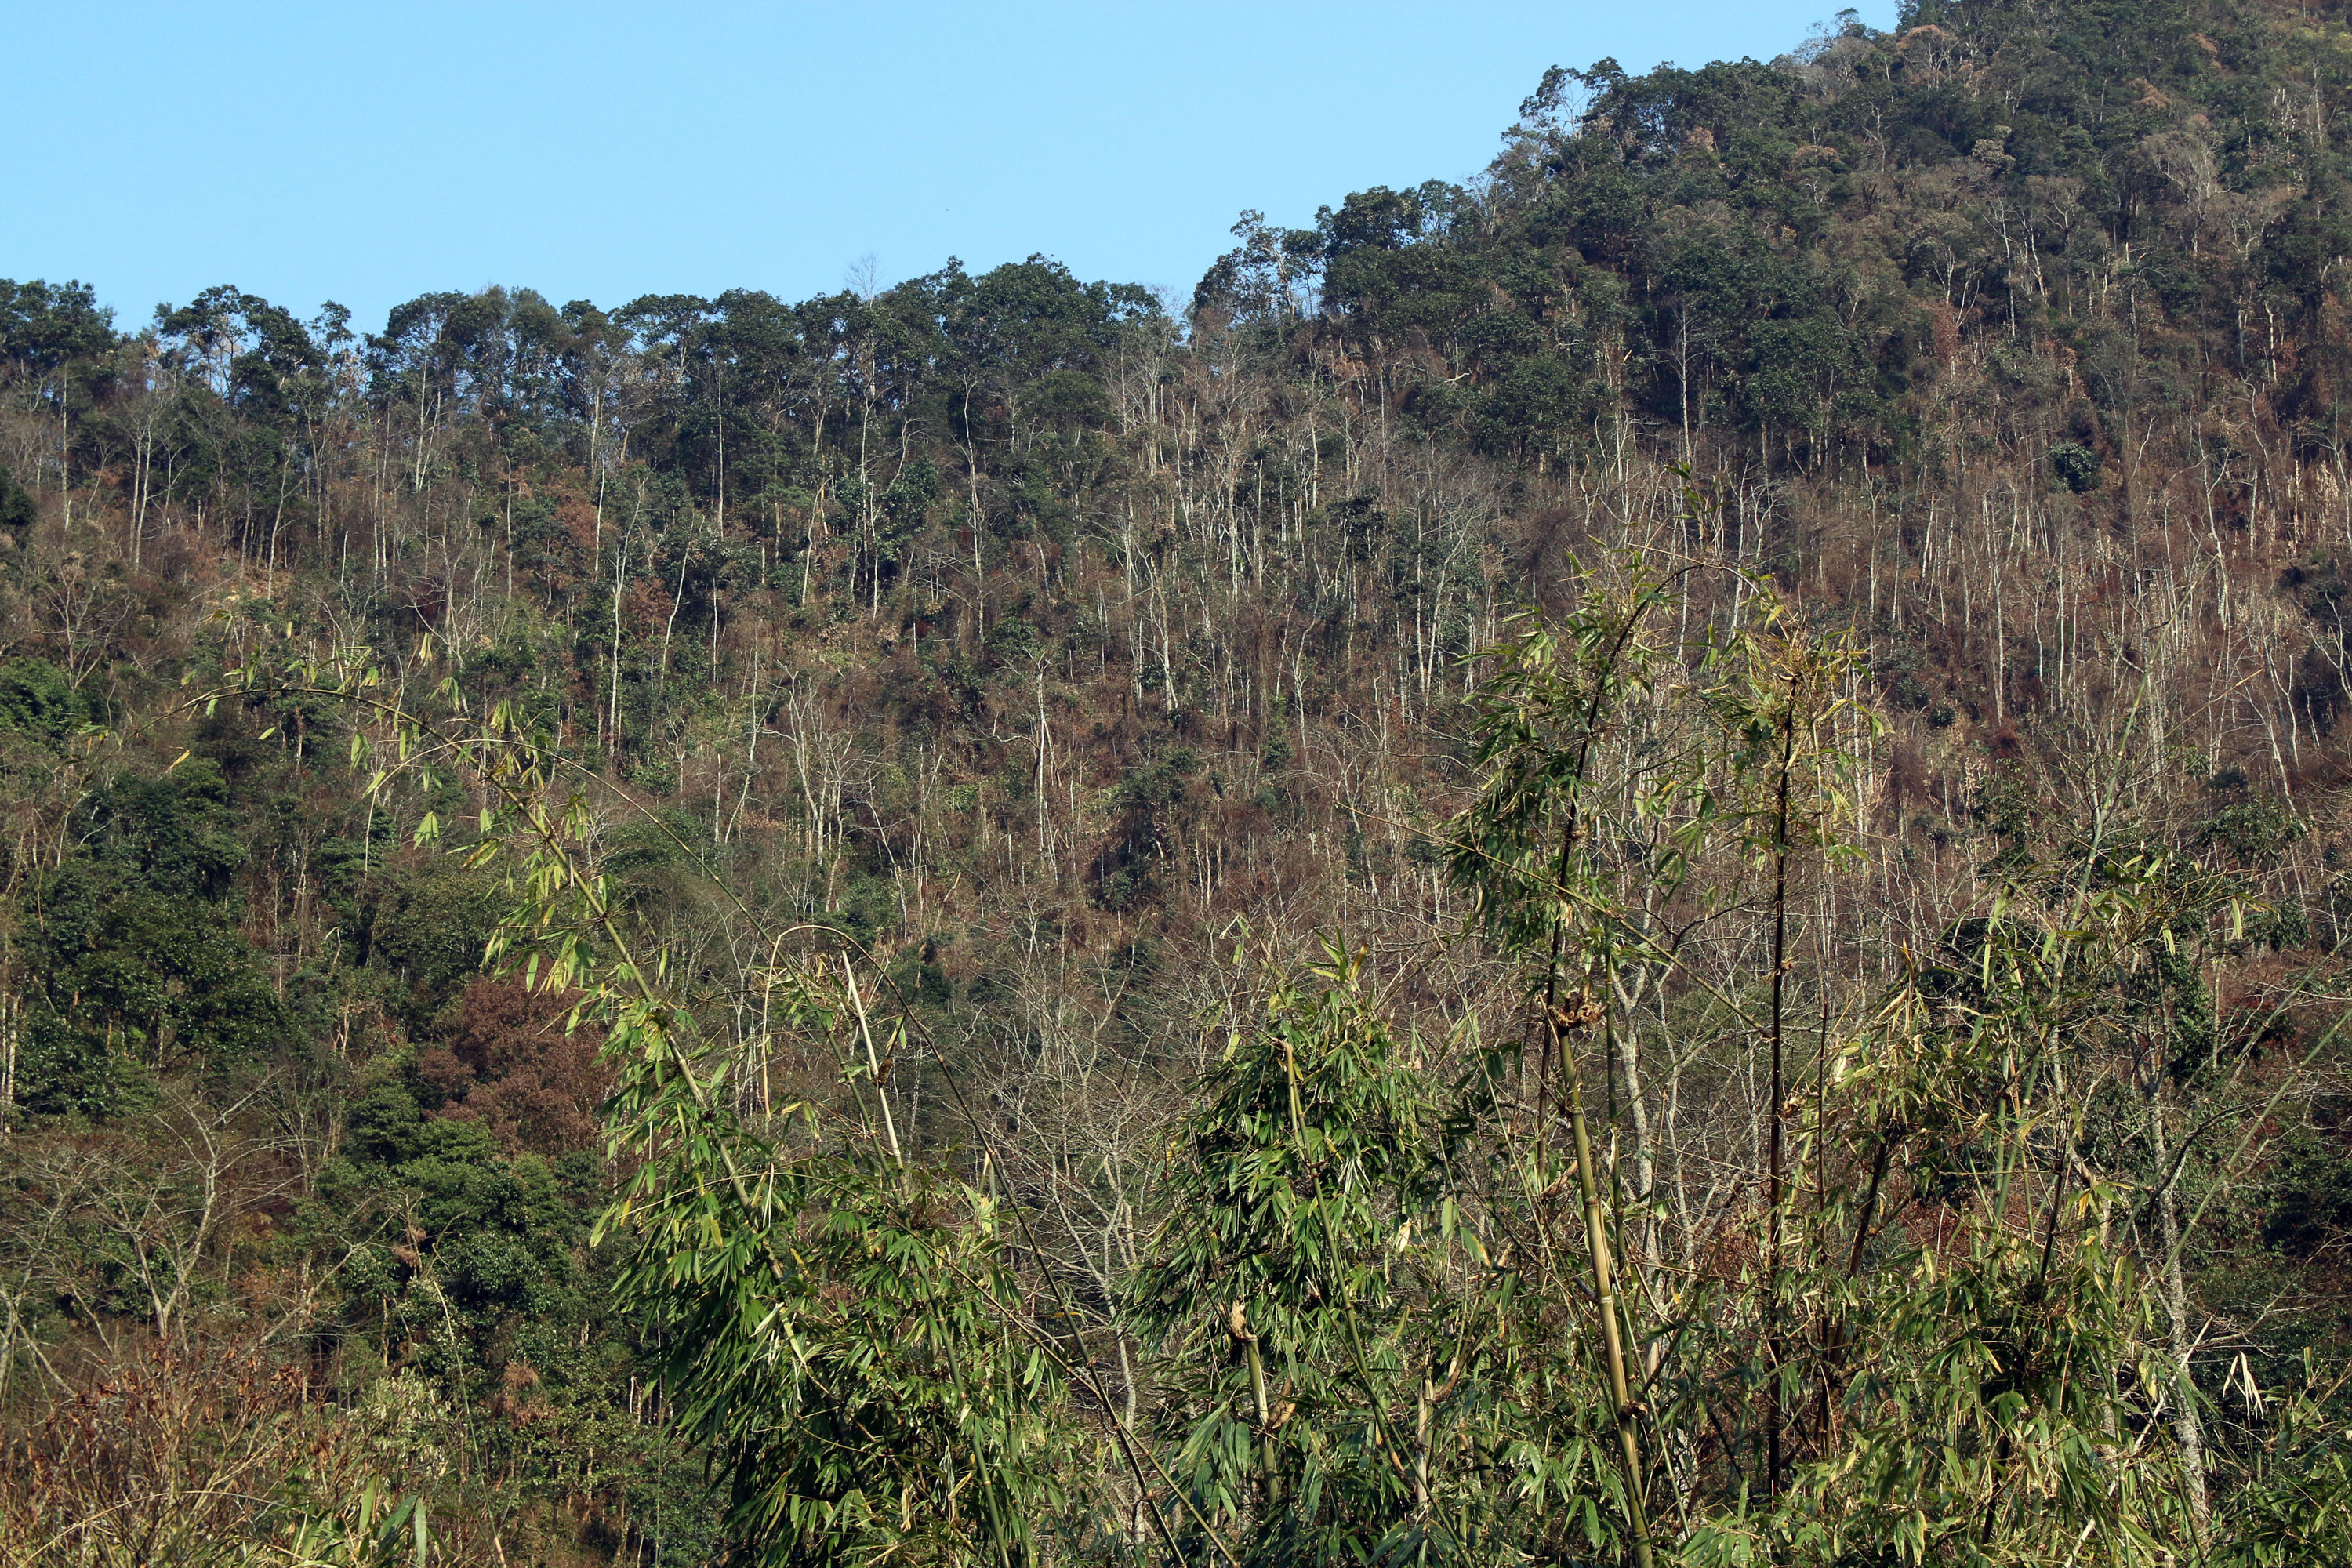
1645	860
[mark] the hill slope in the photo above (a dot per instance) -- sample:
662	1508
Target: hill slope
1044	639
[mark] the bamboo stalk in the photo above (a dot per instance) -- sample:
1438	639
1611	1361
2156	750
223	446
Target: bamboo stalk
1626	1411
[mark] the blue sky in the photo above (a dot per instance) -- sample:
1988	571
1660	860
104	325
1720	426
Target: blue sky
370	152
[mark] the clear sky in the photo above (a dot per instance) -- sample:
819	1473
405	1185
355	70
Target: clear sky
369	153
